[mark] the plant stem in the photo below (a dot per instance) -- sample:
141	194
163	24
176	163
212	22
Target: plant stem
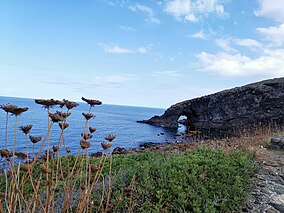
6	131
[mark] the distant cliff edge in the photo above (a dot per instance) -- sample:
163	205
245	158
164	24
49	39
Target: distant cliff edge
260	102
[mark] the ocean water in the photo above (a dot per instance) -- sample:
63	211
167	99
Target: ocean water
109	120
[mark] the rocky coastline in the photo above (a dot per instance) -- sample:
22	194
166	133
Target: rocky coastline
240	107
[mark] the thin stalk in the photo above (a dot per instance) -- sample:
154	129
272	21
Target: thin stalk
47	161
109	184
15	141
6	131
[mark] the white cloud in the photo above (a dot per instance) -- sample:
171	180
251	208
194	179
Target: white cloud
165	74
250	43
199	34
115	49
271	9
225	45
273	34
192	10
149	11
269	64
127	28
142	50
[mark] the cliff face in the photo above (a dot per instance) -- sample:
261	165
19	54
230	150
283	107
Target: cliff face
251	104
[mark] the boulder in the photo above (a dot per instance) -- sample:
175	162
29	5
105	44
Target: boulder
277	143
256	103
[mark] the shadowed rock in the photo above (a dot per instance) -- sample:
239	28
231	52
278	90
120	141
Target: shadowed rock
226	110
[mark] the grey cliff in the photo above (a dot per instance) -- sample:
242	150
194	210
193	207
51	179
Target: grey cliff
255	103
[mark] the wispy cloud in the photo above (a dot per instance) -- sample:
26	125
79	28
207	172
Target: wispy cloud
199	35
127	28
225	45
193	11
116	49
269	64
147	10
165	74
273	34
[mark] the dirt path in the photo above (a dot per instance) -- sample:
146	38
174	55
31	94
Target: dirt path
267	193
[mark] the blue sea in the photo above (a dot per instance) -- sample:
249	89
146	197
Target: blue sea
109	120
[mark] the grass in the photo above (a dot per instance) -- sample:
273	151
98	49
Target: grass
201	180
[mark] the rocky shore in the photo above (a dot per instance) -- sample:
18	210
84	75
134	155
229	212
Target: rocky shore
260	102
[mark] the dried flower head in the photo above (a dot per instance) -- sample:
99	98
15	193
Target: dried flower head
92	102
5	153
106	145
86	136
55	148
47	102
69	104
21	155
26	129
92	129
44	169
63	114
110	138
88	115
35	139
55	117
63	125
8	107
85	144
94	168
19	110
25	167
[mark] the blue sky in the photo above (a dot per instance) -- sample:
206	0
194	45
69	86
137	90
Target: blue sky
142	53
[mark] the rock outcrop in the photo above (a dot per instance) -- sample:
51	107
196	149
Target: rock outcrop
260	102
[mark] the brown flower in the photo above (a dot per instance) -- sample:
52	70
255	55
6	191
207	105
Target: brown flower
63	125
86	136
19	110
94	168
44	169
110	138
25	167
5	153
63	114
92	102
47	102
26	129
55	117
85	144
92	129
35	139
69	104
8	107
106	145
21	155
88	115
83	186
55	148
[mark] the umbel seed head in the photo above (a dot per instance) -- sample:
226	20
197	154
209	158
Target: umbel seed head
26	129
106	145
8	108
34	139
19	110
92	129
47	102
86	136
92	102
85	144
88	116
63	125
110	138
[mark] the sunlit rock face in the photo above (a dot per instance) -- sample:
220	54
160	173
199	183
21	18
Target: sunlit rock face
261	102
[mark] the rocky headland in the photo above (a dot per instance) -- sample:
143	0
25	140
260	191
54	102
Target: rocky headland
255	103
